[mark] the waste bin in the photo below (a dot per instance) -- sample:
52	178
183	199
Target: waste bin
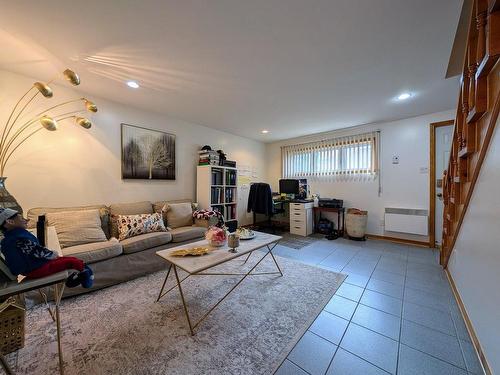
355	223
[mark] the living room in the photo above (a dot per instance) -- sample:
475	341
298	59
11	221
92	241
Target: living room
306	162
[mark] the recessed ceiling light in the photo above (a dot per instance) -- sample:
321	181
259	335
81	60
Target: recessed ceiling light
133	84
404	96
265	131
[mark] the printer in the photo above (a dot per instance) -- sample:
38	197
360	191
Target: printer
330	203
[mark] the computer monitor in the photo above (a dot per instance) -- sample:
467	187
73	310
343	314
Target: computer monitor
289	186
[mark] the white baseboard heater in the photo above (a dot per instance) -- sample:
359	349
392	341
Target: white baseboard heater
407	220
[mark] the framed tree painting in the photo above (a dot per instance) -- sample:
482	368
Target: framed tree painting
147	154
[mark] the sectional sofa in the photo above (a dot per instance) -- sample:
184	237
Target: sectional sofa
115	261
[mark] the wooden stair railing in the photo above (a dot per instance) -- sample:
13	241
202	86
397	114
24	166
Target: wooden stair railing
477	113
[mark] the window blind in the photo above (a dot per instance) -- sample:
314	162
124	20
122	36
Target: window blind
349	157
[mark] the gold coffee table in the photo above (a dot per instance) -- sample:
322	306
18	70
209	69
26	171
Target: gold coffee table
198	266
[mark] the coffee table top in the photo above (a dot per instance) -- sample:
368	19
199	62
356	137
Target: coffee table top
195	264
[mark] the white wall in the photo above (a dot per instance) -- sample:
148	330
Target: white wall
475	260
73	166
403	184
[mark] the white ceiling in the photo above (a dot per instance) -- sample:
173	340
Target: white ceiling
293	67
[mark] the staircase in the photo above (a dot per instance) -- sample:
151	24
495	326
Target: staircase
477	112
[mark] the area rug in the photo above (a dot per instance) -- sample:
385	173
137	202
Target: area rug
295	241
121	330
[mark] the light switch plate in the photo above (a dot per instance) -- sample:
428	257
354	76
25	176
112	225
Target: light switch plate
424	170
395	159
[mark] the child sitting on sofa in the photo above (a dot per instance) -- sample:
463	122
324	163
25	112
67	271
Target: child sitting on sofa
25	256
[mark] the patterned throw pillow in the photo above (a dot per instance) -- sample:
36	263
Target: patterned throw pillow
134	225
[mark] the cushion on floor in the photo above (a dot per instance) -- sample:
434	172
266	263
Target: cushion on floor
182	234
94	252
145	241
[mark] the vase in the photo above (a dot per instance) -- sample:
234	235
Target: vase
6	199
233	240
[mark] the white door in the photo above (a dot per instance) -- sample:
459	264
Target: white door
444	135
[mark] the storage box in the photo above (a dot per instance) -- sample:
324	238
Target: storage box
12	321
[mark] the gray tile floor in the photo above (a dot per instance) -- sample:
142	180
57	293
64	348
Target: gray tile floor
395	313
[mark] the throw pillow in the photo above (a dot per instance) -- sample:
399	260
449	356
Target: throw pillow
134	208
178	214
33	214
76	227
134	225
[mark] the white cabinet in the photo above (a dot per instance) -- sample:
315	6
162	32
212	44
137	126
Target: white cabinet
301	218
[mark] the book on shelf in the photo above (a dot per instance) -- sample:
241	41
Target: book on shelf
230	212
230	194
210	152
217	195
216	176
230	177
212	160
209	156
208	162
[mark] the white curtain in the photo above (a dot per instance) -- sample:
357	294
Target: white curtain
354	157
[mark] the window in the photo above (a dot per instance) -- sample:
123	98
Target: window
345	156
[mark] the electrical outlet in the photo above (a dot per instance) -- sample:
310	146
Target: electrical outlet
395	159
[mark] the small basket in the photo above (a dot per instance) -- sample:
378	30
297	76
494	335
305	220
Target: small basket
355	222
12	321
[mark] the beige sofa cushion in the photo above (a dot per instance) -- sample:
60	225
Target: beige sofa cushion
103	213
145	241
135	208
158	206
178	214
187	233
76	227
94	252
